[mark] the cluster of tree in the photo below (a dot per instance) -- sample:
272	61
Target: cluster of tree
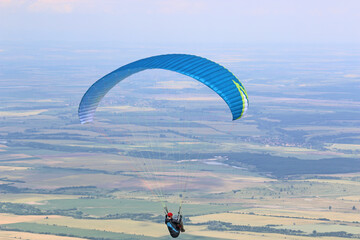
8	188
26	209
224	226
32	134
342	234
5	179
74	190
136	217
19	209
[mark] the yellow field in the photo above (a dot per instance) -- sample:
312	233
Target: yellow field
14	156
22	114
7	235
355	198
333	216
8	168
252	220
300	205
116	225
227	183
6	218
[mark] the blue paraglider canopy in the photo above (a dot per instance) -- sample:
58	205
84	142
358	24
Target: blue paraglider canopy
213	75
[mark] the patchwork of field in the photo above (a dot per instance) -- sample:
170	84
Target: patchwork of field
256	206
305	214
197	225
288	170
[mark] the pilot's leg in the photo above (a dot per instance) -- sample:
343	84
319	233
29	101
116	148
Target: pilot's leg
181	225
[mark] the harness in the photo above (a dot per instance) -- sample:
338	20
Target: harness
172	227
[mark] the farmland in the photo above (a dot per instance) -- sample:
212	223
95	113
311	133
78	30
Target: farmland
288	170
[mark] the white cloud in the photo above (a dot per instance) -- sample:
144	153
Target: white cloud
165	21
352	76
59	6
11	3
52	6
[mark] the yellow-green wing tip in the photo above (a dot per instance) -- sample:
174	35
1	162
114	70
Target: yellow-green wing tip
244	99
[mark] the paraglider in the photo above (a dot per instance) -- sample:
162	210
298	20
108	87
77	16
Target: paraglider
211	74
175	226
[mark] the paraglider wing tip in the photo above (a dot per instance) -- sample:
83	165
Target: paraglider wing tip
85	121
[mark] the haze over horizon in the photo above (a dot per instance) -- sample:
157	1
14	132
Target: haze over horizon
181	21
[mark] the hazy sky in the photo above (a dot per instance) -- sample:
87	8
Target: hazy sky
177	21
